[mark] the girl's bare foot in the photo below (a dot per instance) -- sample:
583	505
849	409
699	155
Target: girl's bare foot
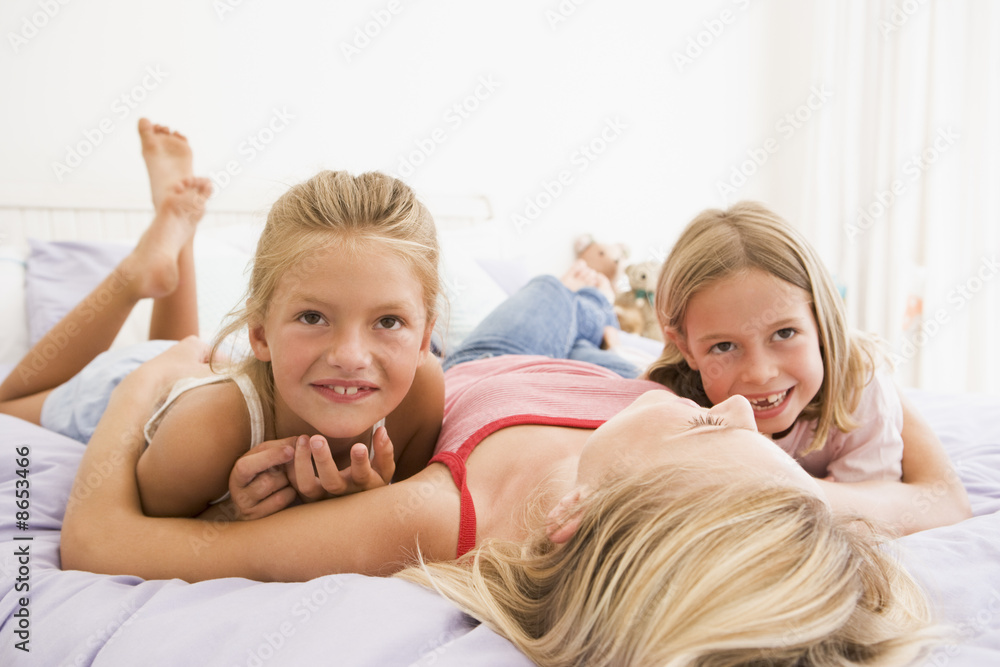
167	156
151	268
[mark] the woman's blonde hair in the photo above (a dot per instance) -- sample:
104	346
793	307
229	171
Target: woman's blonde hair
718	244
724	574
333	208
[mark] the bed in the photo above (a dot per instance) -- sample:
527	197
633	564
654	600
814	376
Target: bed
78	618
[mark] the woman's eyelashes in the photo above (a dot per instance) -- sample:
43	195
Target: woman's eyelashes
707	420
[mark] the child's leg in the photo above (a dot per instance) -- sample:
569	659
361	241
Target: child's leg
168	162
150	270
540	318
595	315
546	317
175	316
584	350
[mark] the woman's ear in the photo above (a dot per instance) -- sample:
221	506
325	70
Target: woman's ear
565	517
677	338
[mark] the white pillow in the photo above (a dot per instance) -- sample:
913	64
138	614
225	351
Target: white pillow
468	293
60	274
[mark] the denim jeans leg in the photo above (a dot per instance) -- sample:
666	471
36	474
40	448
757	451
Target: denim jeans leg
584	350
540	318
593	313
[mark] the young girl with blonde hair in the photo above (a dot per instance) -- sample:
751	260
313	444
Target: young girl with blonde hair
339	310
748	309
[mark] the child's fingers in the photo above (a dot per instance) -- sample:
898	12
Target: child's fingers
266	484
326	470
259	459
272	503
385	461
305	480
361	469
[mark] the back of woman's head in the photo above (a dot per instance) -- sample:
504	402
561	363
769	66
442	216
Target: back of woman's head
659	573
350	213
748	236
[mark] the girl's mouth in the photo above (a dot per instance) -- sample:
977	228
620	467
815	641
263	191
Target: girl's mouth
770	405
345	393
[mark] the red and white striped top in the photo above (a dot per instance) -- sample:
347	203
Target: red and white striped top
482	397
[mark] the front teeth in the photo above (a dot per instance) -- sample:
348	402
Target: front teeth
769	402
349	391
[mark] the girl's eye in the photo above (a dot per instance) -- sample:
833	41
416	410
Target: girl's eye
311	318
784	334
391	323
721	348
707	420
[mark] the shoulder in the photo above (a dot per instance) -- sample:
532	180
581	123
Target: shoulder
877	413
415	424
215	412
880	397
191	454
426	393
222	397
429	504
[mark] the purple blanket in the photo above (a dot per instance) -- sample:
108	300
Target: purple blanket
78	618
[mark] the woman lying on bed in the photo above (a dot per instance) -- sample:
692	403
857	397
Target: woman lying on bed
599	521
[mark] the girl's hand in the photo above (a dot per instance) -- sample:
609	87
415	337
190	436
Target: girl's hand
325	481
258	485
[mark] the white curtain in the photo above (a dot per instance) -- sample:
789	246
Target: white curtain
899	180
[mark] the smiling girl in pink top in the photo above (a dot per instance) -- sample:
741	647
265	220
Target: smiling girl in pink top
747	308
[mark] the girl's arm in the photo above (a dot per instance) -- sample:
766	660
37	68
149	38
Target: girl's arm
929	495
105	531
188	461
263	481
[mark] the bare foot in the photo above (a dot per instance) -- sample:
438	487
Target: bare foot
151	269
581	275
168	158
603	285
577	276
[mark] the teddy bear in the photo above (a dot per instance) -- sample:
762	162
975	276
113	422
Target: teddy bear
604	258
635	309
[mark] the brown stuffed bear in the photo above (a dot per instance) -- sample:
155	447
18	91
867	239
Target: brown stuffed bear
635	309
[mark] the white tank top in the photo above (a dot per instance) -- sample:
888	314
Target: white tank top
253	406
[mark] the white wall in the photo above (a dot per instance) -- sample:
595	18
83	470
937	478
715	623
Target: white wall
562	74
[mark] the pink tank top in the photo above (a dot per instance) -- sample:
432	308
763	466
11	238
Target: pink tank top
482	397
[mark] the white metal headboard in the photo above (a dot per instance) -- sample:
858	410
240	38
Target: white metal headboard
58	223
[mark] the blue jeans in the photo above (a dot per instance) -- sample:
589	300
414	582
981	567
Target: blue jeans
546	318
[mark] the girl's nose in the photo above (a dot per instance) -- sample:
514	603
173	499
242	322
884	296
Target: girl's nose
758	368
348	351
736	412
